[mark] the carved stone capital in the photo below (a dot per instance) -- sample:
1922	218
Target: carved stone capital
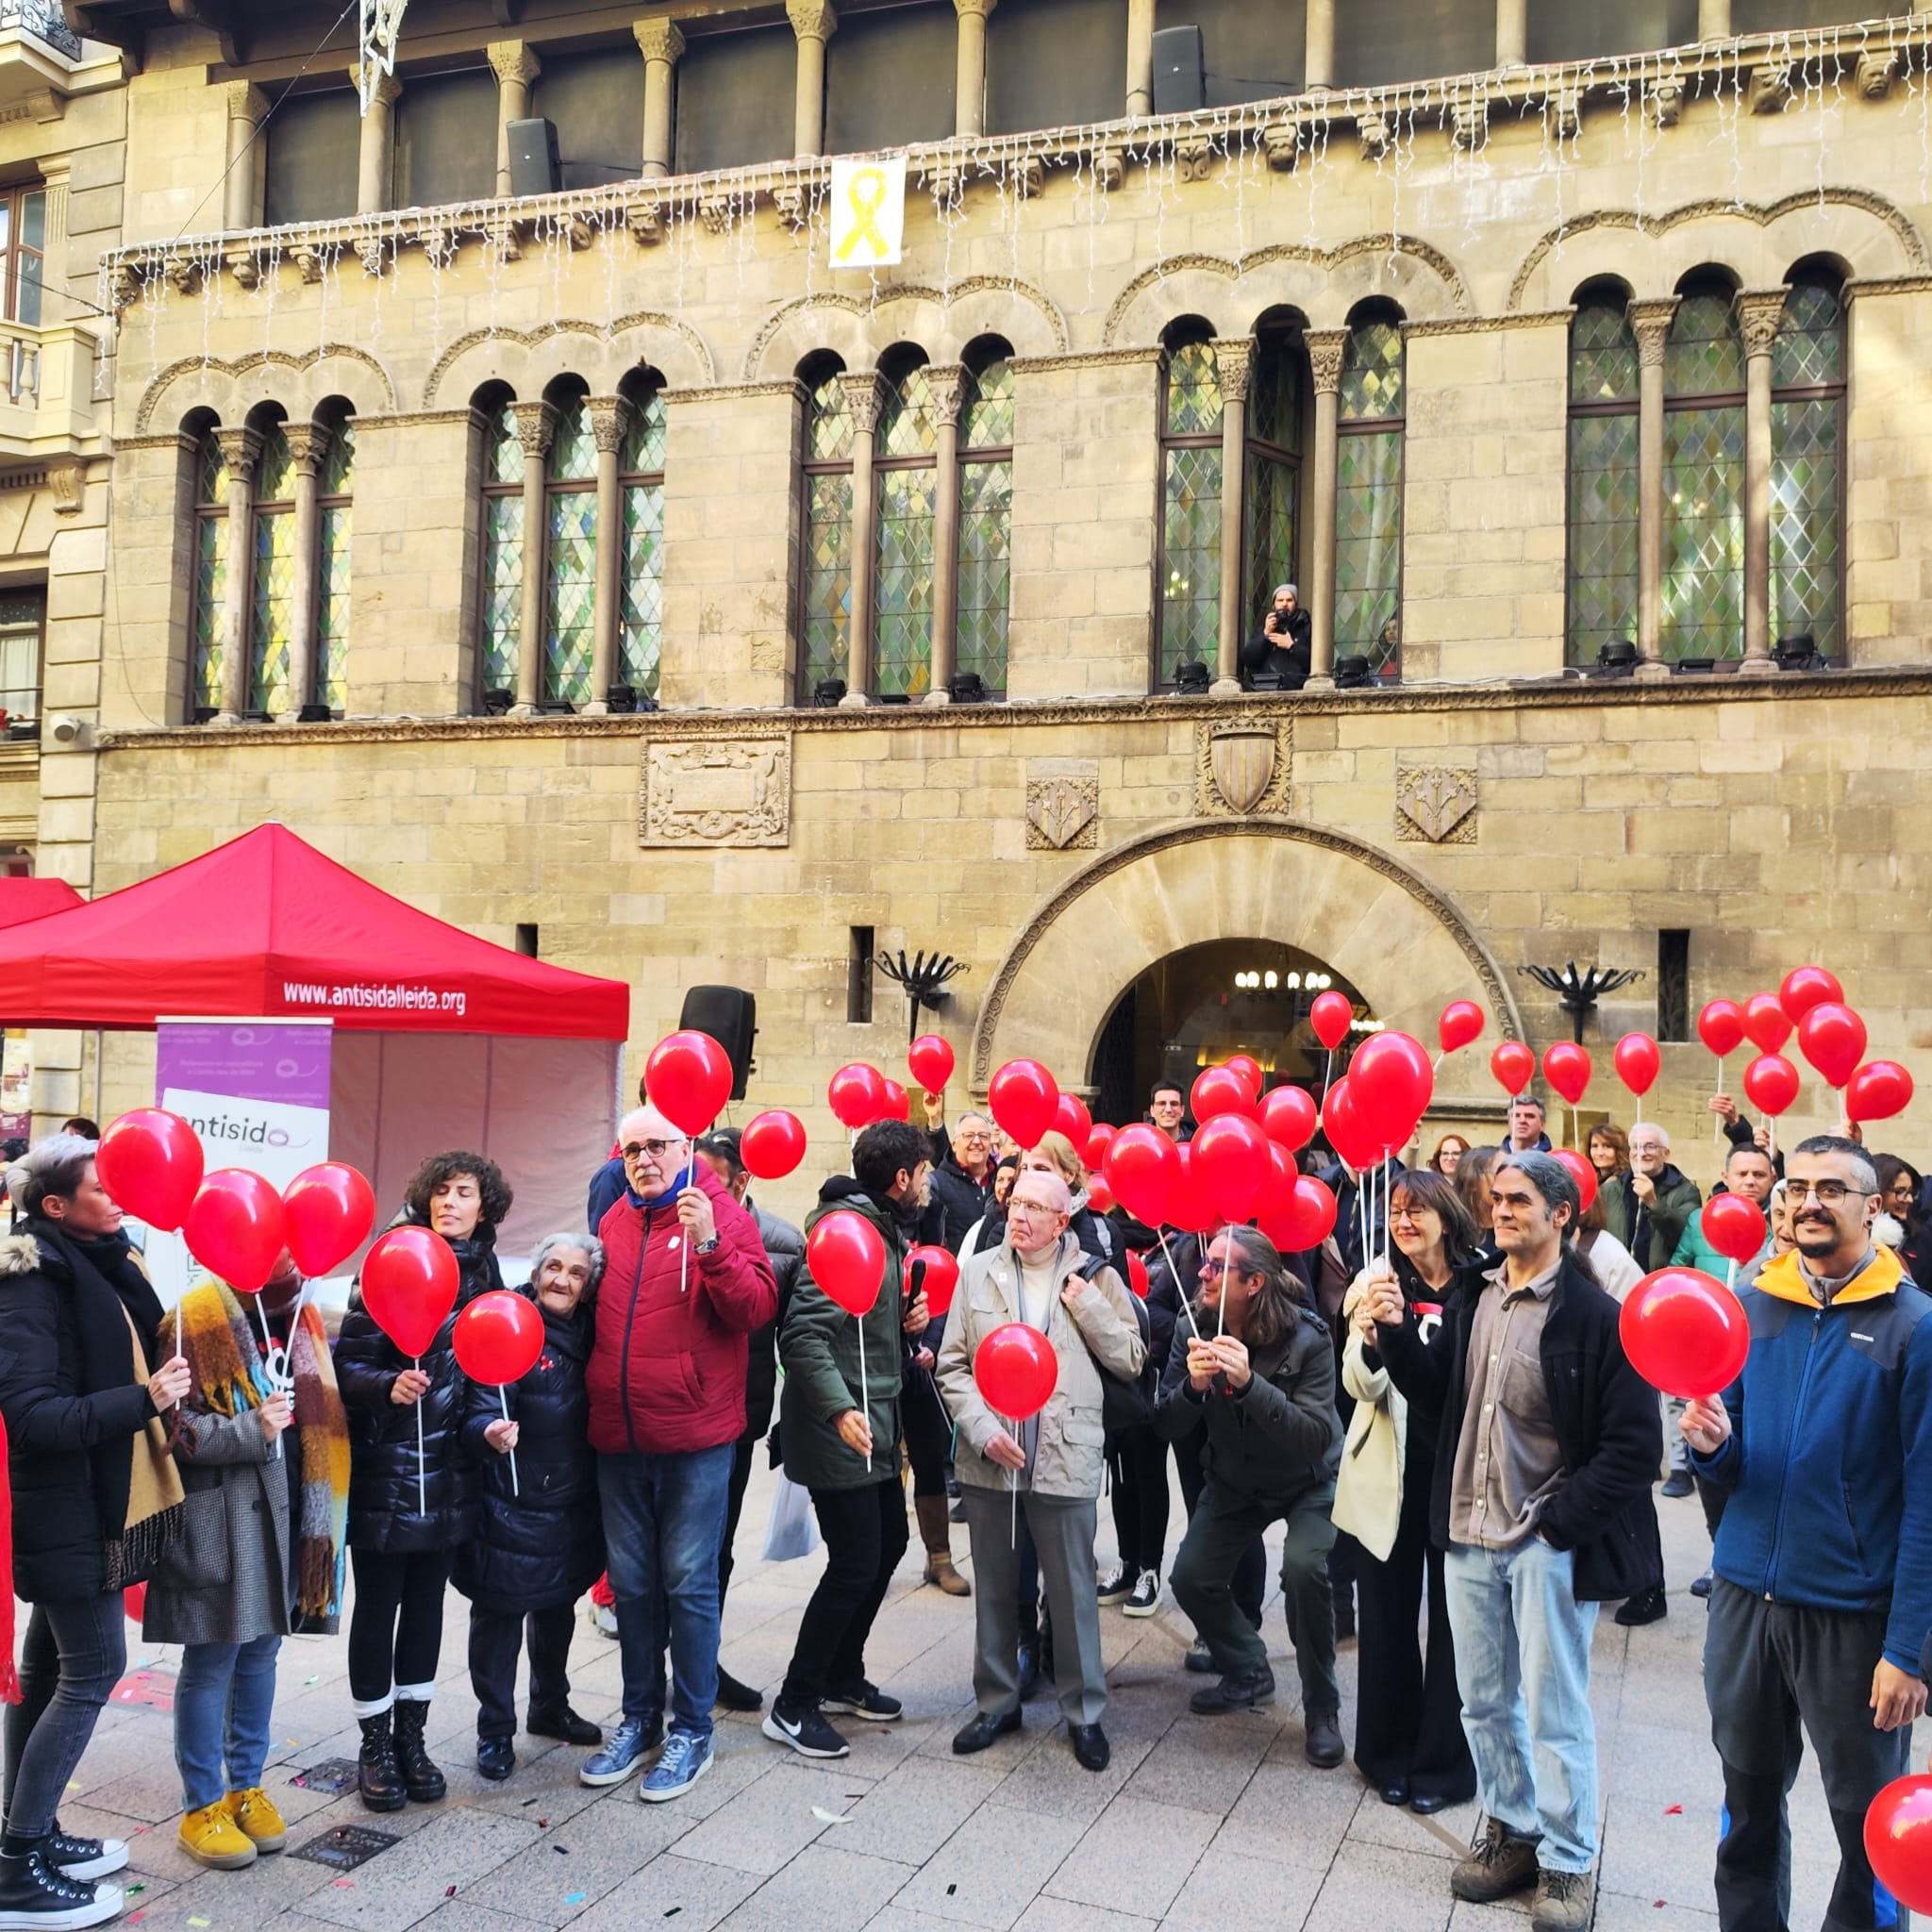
1760	311
245	101
977	8
609	419
646	227
787	198
67	481
1283	142
1566	112
514	61
536	426
241	450
1877	72
308	446
1234	360
1371	131
1468	124
946	385
504	241
1666	102
387	89
183	275
1650	323
1325	349
1194	158
861	392
719	792
659	40
1027	175
1771	90
1109	169
246	266
372	252
812	19
309	263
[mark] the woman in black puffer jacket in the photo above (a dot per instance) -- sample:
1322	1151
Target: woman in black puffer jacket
401	1533
540	1544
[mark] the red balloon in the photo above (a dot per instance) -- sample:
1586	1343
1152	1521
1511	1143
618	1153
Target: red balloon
1190	1205
1733	1226
1567	1068
898	1102
1638	1062
328	1212
847	1259
1392	1081
1898	1840
689	1079
134	1602
1304	1220
1287	1118
930	1060
1877	1091
1771	1083
1721	1027
1249	1068
1016	1370
1765	1022
1137	1274
149	1161
1230	1155
771	1144
1331	1016
857	1095
1144	1167
1832	1038
1348	1134
1461	1022
1282	1175
1023	1097
1513	1065
236	1227
937	1271
498	1337
1583	1174
1219	1091
1073	1120
409	1286
1099	1195
1099	1139
1685	1332
1805	987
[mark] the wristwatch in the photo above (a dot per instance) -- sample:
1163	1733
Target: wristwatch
707	1247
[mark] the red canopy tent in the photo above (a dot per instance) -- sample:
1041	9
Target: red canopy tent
442	1039
23	899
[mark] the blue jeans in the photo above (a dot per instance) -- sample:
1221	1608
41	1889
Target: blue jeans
663	1527
71	1658
224	1699
1523	1668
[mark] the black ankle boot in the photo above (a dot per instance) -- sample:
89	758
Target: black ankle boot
376	1775
421	1778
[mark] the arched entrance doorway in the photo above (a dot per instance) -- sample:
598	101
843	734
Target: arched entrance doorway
1380	930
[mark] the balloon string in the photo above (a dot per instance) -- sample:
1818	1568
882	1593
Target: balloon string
864	1392
1013	1491
1716	1124
683	1244
1731	1275
1187	1299
268	1343
1436	1065
516	1488
422	1468
1327	1068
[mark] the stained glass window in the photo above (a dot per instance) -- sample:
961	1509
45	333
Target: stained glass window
1190	508
1603	479
332	608
1194	390
271	585
210	571
1702	612
902	582
1273	473
908	426
1807	373
641	616
1367	498
570	555
502	602
1371	372
825	575
984	601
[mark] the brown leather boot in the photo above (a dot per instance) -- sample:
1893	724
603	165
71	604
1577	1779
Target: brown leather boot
936	1532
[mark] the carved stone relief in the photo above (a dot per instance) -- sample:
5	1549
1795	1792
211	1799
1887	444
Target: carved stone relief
1435	805
1240	769
1062	813
733	791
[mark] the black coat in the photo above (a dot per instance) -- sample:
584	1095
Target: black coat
960	1199
1291	655
70	1402
544	1546
785	1250
1607	1423
386	1511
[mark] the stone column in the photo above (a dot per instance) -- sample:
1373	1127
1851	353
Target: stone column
515	67
609	419
663	47
535	425
242	449
242	185
947	386
1760	311
1512	32
1326	348
969	92
1232	358
862	406
376	157
308	445
1318	46
1650	323
1140	57
1713	20
814	23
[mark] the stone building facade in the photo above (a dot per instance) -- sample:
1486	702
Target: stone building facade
606	562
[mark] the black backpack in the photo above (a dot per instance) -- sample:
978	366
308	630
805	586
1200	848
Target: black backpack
1126	1401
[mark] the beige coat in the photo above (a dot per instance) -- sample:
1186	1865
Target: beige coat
1368	1491
1071	1458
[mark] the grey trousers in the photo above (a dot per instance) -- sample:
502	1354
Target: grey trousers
1062	1530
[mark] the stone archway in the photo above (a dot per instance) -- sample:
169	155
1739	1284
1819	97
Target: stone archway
1387	929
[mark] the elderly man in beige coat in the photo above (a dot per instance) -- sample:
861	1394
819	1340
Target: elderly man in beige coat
1039	1276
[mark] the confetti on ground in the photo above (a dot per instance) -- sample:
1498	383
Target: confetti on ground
449	1891
134	1891
344	1884
573	1898
197	1922
673	1911
825	1816
1674	1811
951	1890
315	1679
563	1851
542	1824
135	1918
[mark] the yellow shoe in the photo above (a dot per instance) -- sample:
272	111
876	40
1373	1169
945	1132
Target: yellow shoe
255	1811
210	1836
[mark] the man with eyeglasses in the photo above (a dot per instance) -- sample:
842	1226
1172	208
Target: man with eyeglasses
962	1174
1544	1456
687	1282
1823	1590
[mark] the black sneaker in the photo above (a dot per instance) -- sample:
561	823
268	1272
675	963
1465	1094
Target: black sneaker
1678	1483
83	1857
734	1694
34	1894
864	1700
1144	1599
1702	1587
1116	1586
1239	1691
1646	1607
805	1730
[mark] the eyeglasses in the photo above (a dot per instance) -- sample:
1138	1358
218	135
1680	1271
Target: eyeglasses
1829	1193
656	1150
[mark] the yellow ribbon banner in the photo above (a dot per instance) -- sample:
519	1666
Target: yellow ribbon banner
868	211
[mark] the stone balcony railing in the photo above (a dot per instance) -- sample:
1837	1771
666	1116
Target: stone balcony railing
46	392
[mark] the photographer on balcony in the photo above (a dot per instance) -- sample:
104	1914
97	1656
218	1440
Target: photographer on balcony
1282	648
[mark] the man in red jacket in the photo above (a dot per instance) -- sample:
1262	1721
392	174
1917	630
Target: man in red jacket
687	1282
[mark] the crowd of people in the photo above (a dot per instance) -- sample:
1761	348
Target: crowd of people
1433	1406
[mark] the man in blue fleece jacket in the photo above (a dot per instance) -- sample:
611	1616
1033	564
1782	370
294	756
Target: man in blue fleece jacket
1823	1563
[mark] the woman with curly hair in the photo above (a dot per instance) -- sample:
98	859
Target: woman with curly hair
405	1524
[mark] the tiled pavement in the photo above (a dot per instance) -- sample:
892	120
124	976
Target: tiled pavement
1198	1827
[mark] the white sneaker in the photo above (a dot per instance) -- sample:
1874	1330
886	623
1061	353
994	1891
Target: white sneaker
604	1619
1144	1599
1115	1585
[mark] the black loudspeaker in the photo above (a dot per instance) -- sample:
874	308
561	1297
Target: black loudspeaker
532	157
1179	75
729	1015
